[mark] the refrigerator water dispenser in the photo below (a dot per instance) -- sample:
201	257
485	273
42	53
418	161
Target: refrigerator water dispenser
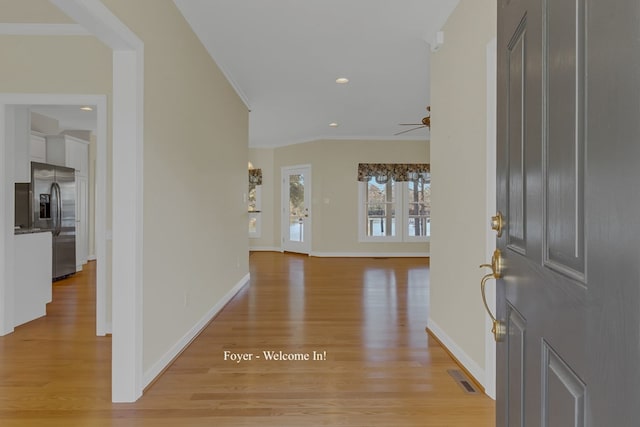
45	206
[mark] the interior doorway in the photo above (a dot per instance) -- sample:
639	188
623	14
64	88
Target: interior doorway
103	325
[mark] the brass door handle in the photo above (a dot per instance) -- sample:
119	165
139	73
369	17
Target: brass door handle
497	223
496	264
499	329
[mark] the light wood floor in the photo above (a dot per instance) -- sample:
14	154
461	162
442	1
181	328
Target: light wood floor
366	315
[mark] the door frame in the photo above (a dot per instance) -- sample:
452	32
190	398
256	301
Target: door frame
284	208
100	101
127	190
490	344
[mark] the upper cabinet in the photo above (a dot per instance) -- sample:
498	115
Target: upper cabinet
30	146
65	150
38	148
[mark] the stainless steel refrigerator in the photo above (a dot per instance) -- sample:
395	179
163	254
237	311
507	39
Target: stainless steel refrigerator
53	201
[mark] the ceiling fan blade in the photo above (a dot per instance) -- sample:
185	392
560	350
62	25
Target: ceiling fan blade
410	124
409	130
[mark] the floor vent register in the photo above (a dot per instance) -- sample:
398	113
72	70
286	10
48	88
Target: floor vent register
465	384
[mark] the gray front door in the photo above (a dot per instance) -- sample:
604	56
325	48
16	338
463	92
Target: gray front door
568	185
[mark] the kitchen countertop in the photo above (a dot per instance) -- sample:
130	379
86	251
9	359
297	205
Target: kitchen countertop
29	230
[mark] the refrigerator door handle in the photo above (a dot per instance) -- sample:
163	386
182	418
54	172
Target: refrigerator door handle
54	205
58	222
59	208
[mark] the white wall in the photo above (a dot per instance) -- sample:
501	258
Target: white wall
195	179
334	169
458	176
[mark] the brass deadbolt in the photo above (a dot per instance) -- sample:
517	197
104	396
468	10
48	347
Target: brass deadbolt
497	223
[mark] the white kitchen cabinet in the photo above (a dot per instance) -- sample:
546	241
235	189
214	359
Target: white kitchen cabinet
38	148
65	150
33	259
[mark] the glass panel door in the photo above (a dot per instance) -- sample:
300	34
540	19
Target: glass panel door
296	190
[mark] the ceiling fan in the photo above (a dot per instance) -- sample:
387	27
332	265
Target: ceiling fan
426	123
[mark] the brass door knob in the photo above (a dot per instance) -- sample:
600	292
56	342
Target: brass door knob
496	264
497	223
499	329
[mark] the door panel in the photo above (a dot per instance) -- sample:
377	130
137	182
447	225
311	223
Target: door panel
296	209
564	154
540	165
564	393
515	349
516	110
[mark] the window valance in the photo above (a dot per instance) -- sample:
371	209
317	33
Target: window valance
255	176
382	172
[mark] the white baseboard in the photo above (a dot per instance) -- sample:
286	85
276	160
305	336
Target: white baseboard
466	361
371	254
264	249
92	257
108	328
177	348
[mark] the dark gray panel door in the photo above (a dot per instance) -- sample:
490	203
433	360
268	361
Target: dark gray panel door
569	188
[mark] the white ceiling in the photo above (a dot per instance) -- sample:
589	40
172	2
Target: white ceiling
283	57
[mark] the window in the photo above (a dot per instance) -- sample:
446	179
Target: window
255	193
418	203
394	211
380	207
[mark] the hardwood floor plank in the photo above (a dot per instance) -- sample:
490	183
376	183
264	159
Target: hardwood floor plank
364	318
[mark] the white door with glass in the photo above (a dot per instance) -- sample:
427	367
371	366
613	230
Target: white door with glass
296	209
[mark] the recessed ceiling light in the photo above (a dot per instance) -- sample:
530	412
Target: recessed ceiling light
86	108
342	80
333	124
